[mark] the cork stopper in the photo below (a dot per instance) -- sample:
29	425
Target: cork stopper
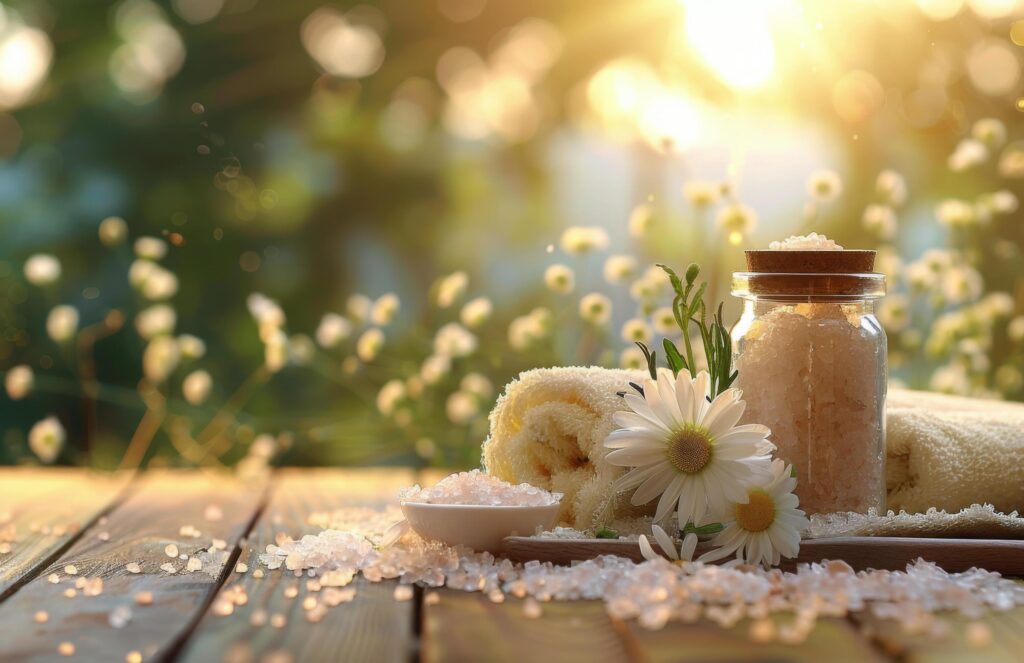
811	262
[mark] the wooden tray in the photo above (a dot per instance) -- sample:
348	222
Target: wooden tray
881	552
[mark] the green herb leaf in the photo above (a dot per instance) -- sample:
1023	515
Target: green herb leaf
674	359
703	530
606	533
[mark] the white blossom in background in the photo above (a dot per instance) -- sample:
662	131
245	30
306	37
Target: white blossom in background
577	240
150	248
619	268
1000	202
389	396
275	348
736	221
891	188
632	358
385	309
370	344
477	384
156	320
25	57
951	379
451	288
62	323
989	131
701	194
139	271
454	340
301	349
340	46
42	269
152	51
997	305
19	381
191	347
461	407
476	312
962	283
640	220
880	221
358	307
113	230
1015	329
894	312
824	185
968	154
435	368
596	308
526	330
1009	379
266	312
332	330
560	279
956	213
664	320
196	387
159	284
46	438
635	330
160	358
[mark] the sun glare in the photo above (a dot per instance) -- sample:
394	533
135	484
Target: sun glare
740	51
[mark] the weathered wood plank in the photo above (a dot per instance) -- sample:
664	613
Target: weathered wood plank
468	627
373	627
833	640
37	619
998	637
42	511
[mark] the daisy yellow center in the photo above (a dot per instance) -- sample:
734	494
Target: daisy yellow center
758	514
689	450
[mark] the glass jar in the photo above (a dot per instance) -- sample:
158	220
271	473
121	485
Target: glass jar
811	357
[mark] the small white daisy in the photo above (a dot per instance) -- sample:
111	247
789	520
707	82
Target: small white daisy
766	526
686	449
668	547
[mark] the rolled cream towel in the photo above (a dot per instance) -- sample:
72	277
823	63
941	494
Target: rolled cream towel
548	429
950	452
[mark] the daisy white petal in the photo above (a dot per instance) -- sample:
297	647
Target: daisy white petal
652	487
665	542
688	547
646	550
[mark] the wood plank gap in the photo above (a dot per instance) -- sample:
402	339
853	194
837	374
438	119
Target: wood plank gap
634	652
877	644
45	562
178	644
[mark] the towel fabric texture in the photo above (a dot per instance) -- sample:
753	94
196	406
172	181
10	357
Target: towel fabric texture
943	452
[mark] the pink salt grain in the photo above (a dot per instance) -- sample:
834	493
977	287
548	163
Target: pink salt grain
480	489
809	372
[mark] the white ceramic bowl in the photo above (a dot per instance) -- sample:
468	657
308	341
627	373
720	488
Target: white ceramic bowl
478	527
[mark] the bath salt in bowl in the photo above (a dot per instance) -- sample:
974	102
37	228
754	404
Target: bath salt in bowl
476	510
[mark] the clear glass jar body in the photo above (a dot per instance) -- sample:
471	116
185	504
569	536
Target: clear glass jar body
814	371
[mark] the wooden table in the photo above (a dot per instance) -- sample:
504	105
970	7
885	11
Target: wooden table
51	519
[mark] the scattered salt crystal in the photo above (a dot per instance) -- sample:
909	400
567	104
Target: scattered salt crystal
762	630
169	568
133	657
403	592
188	531
213	513
979	634
133	567
309	603
291	591
53	578
70	593
5	548
66	649
838	567
182	556
80	582
496	596
222	607
120	616
171	550
194	564
241	568
103	536
71	570
479	488
144	598
532	609
93	587
432	598
258	573
258	617
277	620
219	544
41	617
812	242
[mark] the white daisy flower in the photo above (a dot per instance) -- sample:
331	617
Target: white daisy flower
686	449
766	526
668	547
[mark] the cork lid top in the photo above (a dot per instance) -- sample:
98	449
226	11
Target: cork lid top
810	261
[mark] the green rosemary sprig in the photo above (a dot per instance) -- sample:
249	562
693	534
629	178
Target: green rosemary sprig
689	310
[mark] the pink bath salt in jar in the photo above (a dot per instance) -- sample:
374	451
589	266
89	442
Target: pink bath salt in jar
811	357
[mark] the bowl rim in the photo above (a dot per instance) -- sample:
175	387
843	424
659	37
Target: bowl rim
509	507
